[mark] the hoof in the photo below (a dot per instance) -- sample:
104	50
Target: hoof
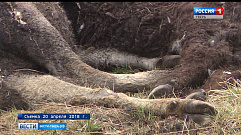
201	95
160	91
170	61
199	107
201	119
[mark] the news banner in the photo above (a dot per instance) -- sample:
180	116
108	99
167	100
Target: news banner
208	13
48	126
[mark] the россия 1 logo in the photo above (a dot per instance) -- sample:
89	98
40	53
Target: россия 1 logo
208	13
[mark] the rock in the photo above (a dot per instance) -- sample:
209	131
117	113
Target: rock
160	91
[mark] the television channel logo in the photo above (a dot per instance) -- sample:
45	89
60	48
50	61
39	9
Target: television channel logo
42	126
207	13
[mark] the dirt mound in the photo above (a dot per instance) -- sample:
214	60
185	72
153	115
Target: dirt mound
145	29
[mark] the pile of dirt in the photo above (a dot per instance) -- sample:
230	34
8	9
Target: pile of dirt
146	29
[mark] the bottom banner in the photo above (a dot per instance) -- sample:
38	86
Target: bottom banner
42	126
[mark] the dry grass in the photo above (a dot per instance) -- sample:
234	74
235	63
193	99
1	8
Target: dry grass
227	102
119	121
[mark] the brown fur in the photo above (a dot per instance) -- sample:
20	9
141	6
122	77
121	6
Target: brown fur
197	56
45	44
35	88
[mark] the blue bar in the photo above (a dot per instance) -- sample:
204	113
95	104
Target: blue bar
204	11
52	126
20	116
53	116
